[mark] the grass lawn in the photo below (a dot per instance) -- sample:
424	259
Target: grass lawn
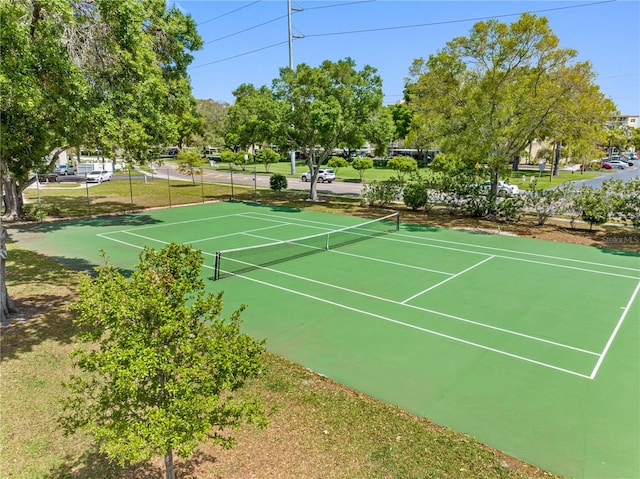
318	428
348	174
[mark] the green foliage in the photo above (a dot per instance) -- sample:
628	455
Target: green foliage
189	162
381	193
416	194
228	156
254	118
111	74
326	107
361	165
267	157
403	165
214	119
242	159
629	208
278	182
160	366
592	204
546	203
485	97
336	163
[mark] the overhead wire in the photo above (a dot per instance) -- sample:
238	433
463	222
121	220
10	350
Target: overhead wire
421	25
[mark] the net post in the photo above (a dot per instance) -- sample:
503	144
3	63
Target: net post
397	221
326	245
216	267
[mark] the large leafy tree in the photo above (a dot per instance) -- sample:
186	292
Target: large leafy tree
214	120
326	106
100	72
486	96
253	119
159	365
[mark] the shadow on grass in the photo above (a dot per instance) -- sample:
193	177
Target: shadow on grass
92	465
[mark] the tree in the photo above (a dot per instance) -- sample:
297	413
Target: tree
267	157
159	365
380	131
401	119
592	204
361	165
214	120
336	163
253	119
402	165
486	96
104	72
278	182
325	107
189	163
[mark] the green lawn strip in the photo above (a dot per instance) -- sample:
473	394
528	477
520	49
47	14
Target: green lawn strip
362	437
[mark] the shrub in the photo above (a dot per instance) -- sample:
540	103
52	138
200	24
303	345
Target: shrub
381	193
278	182
402	165
593	205
336	163
416	194
362	164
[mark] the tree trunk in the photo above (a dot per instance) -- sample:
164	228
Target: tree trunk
515	163
6	305
170	472
556	158
12	198
313	188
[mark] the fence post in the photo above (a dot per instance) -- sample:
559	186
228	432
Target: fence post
88	200
169	185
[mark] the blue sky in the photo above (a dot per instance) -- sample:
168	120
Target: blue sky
247	41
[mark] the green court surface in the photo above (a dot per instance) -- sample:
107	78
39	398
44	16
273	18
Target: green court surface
530	346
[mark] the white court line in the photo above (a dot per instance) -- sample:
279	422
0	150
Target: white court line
426	310
523	260
368	258
614	333
104	236
326	226
130	232
425	330
448	279
395	235
160	225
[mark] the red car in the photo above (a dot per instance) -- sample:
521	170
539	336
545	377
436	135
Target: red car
606	166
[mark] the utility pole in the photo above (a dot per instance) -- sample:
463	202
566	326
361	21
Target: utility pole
293	153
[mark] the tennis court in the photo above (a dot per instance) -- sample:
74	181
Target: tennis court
530	346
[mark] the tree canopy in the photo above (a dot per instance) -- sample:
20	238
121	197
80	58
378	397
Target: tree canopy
159	365
485	97
327	106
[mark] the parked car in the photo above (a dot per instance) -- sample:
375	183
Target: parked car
98	176
619	164
504	188
64	170
327	175
606	165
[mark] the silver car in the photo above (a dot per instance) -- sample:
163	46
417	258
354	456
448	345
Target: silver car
324	174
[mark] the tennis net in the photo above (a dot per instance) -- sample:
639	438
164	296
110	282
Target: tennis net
242	260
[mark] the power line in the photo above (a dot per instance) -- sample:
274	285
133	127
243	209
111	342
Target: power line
448	22
385	28
228	13
246	29
239	55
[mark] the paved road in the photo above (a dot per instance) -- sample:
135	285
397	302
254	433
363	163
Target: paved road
624	175
262	181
